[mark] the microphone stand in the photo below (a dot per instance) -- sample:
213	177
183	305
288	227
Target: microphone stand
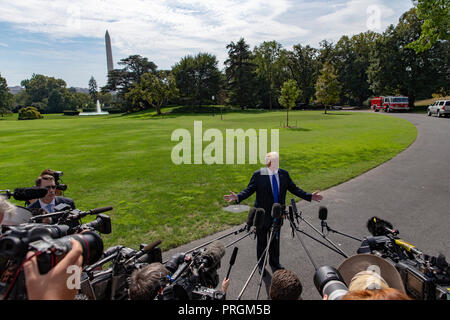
239	239
219	238
324	224
297	215
249	278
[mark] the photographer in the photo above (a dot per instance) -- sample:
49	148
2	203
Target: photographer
50	200
146	283
381	294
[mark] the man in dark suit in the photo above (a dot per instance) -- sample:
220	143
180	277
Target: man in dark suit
271	185
50	201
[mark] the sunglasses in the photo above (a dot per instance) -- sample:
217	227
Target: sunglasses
51	187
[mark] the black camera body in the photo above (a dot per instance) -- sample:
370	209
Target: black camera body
424	277
192	280
49	242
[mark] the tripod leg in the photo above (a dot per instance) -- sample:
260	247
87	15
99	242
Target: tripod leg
248	280
266	255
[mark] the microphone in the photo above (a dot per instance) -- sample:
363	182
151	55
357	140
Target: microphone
25	194
276	211
294	207
258	221
144	250
250	218
100	210
323	214
380	227
212	255
232	260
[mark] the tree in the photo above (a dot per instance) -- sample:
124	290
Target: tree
351	56
6	97
39	89
328	87
303	65
288	97
240	74
397	69
197	78
153	90
436	23
55	102
93	89
271	67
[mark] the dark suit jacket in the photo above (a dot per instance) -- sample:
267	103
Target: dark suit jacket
58	200
261	184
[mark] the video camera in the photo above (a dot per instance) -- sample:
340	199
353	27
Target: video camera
425	277
50	244
113	283
194	275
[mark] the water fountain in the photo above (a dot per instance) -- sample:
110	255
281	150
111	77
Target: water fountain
98	112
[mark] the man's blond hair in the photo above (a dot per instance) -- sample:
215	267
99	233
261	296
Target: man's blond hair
272	156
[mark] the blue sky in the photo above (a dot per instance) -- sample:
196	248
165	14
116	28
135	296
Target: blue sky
65	39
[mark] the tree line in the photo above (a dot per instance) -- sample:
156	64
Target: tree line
407	59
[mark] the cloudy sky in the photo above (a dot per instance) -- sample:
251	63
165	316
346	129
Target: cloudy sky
65	38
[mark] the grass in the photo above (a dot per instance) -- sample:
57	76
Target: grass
125	162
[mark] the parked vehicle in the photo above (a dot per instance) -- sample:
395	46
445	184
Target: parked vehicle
440	108
390	103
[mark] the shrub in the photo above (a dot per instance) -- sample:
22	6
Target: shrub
29	113
71	112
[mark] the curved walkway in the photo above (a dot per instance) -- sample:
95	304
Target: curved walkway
412	191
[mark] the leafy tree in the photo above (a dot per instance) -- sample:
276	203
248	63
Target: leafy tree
351	56
6	97
288	97
93	89
39	89
240	74
328	88
153	90
55	102
397	69
271	68
303	65
436	23
197	78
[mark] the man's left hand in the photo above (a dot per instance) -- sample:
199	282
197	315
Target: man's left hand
316	196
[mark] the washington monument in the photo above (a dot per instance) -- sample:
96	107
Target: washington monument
109	59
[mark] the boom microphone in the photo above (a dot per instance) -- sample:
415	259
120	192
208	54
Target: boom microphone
25	194
258	221
323	213
276	211
232	260
250	218
212	255
380	227
144	250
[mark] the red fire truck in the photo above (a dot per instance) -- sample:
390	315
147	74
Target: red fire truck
389	104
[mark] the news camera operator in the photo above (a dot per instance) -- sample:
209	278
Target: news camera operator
271	185
50	201
285	285
52	285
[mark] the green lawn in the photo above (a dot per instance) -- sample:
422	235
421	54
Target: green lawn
125	162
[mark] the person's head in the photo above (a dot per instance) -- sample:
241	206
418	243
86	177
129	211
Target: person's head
367	280
146	282
381	294
48	182
6	209
273	161
285	285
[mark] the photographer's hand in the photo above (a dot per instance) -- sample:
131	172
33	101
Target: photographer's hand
225	284
52	285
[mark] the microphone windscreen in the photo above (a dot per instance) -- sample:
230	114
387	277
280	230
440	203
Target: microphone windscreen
276	211
25	194
251	217
233	256
377	226
258	222
100	210
214	253
151	246
323	213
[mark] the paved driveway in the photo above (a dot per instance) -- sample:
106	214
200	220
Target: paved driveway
412	191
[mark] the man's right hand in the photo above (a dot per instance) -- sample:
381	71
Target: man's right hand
230	197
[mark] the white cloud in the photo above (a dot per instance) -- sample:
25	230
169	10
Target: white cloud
164	28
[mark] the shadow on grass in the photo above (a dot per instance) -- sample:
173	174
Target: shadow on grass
295	129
